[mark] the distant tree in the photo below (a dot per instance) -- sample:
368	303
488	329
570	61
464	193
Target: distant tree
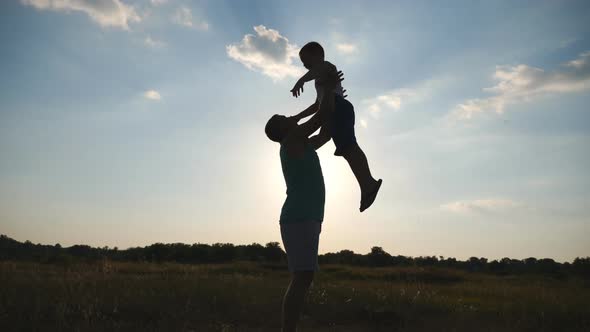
477	264
11	249
252	252
582	266
547	265
223	252
401	260
273	252
426	260
378	257
346	257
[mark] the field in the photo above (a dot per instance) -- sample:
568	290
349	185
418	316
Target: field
246	296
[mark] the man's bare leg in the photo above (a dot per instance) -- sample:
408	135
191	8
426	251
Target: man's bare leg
294	299
359	165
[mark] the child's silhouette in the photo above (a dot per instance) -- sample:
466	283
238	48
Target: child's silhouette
339	126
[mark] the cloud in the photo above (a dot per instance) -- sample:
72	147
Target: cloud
107	13
347	48
486	206
390	100
267	52
153	43
158	2
152	94
184	16
522	83
363	123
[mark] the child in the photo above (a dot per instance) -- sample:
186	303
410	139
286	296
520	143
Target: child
340	125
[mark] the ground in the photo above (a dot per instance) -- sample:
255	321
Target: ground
246	296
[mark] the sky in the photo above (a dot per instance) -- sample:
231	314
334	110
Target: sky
125	123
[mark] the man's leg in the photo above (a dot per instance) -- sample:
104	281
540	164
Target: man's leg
294	299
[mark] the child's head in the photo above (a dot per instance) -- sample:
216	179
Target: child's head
311	54
278	126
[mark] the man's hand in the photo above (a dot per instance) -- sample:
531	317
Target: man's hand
297	89
332	80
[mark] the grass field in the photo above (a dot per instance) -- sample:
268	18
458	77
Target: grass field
245	296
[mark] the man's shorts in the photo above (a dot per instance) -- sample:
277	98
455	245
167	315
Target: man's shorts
342	127
301	240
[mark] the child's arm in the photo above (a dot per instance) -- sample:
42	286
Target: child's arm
312	74
298	87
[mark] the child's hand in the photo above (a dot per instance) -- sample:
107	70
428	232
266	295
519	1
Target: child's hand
297	89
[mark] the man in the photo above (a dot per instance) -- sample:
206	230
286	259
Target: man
303	211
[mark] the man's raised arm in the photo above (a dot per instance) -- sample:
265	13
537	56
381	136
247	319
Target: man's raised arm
325	114
322	116
307	112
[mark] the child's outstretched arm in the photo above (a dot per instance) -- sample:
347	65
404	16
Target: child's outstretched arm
312	74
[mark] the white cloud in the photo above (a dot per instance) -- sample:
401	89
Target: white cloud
158	2
184	16
152	94
267	52
364	123
582	62
390	100
524	83
347	48
107	13
405	98
493	205
153	43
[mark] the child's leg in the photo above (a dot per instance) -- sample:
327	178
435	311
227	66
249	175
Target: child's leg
359	165
346	146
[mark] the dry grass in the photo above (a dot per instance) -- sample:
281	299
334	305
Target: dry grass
247	297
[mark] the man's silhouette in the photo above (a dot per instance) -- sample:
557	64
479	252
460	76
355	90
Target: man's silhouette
303	211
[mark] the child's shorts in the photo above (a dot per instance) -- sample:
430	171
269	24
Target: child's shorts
301	240
342	128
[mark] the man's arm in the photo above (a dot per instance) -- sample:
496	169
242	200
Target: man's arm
322	115
307	112
324	136
317	141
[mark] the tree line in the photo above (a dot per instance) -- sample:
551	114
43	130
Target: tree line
198	253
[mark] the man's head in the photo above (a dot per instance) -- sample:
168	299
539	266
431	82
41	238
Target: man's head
278	126
311	54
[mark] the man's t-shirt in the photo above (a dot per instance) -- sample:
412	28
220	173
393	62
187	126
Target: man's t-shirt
306	193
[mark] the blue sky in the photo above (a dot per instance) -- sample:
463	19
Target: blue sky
125	123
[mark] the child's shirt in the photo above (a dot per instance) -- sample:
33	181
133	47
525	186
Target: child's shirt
337	90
